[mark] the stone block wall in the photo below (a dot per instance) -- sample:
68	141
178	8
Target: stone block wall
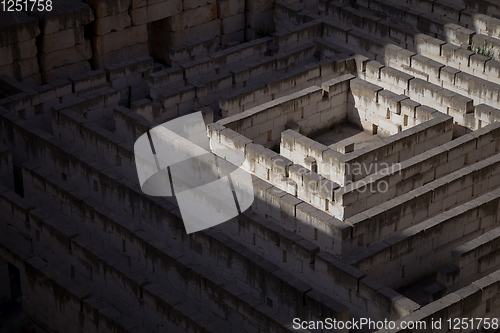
208	77
472	260
28	102
6	167
416	206
195	19
51	184
460	224
420	170
478	300
233	18
101	274
80	311
18	52
77	37
485	114
299	181
461	59
340	167
110	154
89	93
85	233
449	101
190	51
258	18
64	47
300	35
435	82
380	111
298	72
286	15
489	46
149	293
428	65
64	190
312	109
283	176
429	21
356	286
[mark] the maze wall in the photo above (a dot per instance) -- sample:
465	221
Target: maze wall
403	228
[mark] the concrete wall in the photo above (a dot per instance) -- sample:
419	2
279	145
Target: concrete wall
5	294
81	36
18	50
380	106
433	81
148	291
273	168
300	35
478	300
295	77
414	22
472	260
93	94
113	233
418	171
52	183
312	109
464	223
437	63
372	103
131	237
6	167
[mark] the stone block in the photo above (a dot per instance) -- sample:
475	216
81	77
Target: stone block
191	4
408	107
103	8
338	85
175	38
373	69
477	63
190	18
59	40
233	24
363	89
462	104
292	126
118	40
107	24
462	56
18	27
156	12
404	57
492	68
14	52
396	78
389	127
229	8
79	53
345	146
67	16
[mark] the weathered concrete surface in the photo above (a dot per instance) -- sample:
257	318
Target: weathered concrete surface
333	230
